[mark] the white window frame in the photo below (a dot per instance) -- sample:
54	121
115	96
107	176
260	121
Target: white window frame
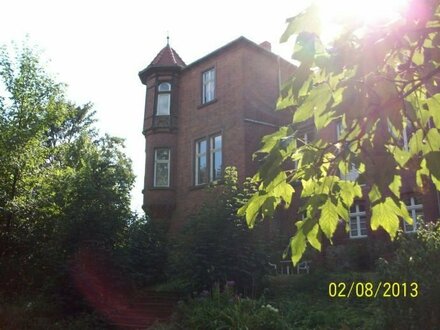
357	216
161	161
412	210
163	92
208	86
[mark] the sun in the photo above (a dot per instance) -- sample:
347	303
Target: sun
366	12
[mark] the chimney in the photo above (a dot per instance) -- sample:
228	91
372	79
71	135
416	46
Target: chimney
266	45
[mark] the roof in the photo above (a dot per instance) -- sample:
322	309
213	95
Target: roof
167	57
240	40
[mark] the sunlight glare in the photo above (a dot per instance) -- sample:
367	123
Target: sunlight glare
368	13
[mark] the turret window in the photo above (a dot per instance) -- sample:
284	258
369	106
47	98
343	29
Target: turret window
162	167
163	99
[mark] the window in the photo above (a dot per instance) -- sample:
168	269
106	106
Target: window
163	99
216	157
415	210
352	173
162	167
208	86
402	138
208	153
201	156
339	129
358	221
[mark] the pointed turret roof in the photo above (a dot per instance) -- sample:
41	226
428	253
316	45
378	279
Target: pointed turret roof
166	59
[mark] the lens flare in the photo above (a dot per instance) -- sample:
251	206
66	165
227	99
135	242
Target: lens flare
367	13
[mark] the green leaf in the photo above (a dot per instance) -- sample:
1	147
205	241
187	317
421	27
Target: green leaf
329	218
395	185
314	104
285	191
307	21
433	165
434	108
271	140
342	211
313	237
401	156
297	246
374	195
252	208
385	215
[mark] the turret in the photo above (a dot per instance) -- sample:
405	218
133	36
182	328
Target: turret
160	127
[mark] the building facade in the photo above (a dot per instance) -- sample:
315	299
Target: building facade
200	118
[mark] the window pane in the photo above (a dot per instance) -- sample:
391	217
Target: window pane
162	167
217	142
217	165
201	174
201	170
162	154
164	87
162	175
363	225
163	104
201	147
208	89
358	221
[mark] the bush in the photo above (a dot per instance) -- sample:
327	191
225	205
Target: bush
224	310
356	255
216	246
416	260
144	254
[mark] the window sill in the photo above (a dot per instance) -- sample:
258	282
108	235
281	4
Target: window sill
206	104
358	237
199	186
161	188
207	185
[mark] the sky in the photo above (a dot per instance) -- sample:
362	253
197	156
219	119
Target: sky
98	47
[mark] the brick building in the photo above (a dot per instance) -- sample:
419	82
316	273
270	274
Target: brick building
200	118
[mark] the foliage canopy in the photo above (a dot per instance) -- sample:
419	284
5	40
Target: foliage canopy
381	84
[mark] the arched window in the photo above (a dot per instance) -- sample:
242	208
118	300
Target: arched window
163	99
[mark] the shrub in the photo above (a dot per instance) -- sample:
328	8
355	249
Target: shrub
224	310
416	260
216	246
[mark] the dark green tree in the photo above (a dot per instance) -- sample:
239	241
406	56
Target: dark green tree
61	184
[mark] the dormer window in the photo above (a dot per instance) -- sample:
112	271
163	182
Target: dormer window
163	99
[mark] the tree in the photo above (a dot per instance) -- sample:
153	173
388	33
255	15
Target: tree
61	184
378	81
